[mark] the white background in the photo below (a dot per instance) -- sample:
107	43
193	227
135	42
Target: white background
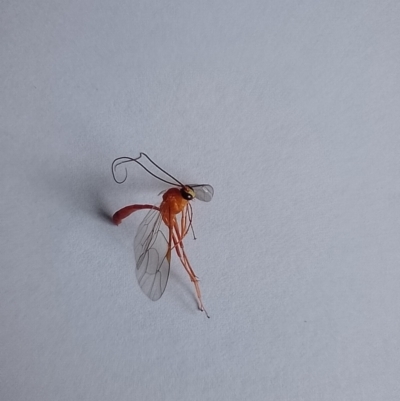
291	110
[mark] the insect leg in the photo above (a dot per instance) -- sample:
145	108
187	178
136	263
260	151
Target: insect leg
185	262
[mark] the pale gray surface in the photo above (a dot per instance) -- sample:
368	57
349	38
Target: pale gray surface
290	110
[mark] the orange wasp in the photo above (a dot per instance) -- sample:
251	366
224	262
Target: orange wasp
162	230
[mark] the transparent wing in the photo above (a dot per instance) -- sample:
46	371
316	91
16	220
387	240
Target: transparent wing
152	255
204	192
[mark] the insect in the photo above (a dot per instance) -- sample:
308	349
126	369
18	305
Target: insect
162	230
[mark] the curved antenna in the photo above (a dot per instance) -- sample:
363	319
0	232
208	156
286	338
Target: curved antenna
121	160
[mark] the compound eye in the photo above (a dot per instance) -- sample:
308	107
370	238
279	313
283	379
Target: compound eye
186	194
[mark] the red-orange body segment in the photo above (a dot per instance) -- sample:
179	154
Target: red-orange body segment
173	203
128	210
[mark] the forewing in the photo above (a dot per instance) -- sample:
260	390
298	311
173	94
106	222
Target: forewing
152	255
204	192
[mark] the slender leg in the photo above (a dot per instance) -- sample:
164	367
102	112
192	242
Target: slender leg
190	218
127	210
185	262
184	228
183	222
